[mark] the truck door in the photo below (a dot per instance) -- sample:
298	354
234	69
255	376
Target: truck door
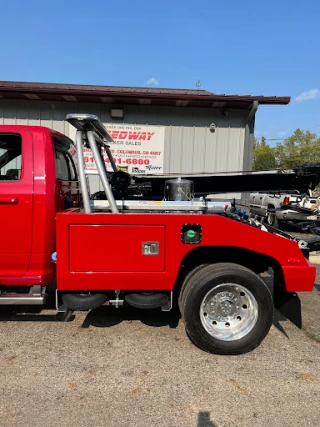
16	197
257	201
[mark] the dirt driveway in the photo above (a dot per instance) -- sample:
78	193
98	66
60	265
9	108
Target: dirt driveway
130	368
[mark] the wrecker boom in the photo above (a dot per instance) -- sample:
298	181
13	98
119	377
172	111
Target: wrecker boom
304	177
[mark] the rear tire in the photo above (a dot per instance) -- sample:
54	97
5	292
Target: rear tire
83	301
226	308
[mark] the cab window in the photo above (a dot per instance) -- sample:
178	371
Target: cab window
65	167
73	173
10	157
62	167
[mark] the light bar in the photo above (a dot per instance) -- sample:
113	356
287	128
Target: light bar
89	122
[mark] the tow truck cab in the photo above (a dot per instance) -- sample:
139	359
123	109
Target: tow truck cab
38	178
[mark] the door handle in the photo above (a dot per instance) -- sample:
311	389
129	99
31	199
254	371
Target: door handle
9	201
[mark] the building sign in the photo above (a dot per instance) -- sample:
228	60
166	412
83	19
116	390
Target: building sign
136	149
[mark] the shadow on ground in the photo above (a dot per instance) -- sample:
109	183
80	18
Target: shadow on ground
106	317
102	317
204	420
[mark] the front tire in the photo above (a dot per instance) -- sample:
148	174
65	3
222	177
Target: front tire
226	308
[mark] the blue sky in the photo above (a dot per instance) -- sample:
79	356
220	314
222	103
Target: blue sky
232	47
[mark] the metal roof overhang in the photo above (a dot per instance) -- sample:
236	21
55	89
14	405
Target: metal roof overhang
132	95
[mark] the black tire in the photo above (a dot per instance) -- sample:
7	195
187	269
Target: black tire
83	302
146	301
206	279
273	220
186	281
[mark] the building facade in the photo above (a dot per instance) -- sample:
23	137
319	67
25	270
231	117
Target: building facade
162	131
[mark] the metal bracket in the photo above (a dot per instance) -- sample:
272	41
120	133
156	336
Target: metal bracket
116	302
64	312
61	308
168	306
37	290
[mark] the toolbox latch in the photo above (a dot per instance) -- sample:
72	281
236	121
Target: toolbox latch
150	248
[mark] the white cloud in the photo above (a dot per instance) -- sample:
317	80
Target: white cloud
152	82
308	94
282	133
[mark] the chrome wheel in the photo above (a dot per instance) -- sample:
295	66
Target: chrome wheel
229	312
270	219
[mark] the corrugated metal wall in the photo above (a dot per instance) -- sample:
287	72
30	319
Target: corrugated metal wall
189	147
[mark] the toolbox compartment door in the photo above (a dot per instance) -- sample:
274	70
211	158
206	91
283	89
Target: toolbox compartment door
116	248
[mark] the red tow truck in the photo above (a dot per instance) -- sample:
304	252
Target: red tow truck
135	248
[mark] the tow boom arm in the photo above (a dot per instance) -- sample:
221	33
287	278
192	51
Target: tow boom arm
303	177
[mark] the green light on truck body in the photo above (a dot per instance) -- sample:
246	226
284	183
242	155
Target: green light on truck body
191	234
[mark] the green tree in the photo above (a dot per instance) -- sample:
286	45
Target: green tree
300	147
263	155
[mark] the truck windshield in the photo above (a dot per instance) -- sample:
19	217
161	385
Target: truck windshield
10	156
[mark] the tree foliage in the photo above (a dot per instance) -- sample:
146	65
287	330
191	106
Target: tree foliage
263	156
300	147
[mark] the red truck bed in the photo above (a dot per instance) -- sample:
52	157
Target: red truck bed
103	251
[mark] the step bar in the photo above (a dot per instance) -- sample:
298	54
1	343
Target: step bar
22	299
36	296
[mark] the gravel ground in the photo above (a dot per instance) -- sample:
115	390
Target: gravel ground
130	368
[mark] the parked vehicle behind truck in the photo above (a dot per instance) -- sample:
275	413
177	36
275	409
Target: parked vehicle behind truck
278	207
130	250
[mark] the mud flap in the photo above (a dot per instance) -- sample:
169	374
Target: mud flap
288	304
